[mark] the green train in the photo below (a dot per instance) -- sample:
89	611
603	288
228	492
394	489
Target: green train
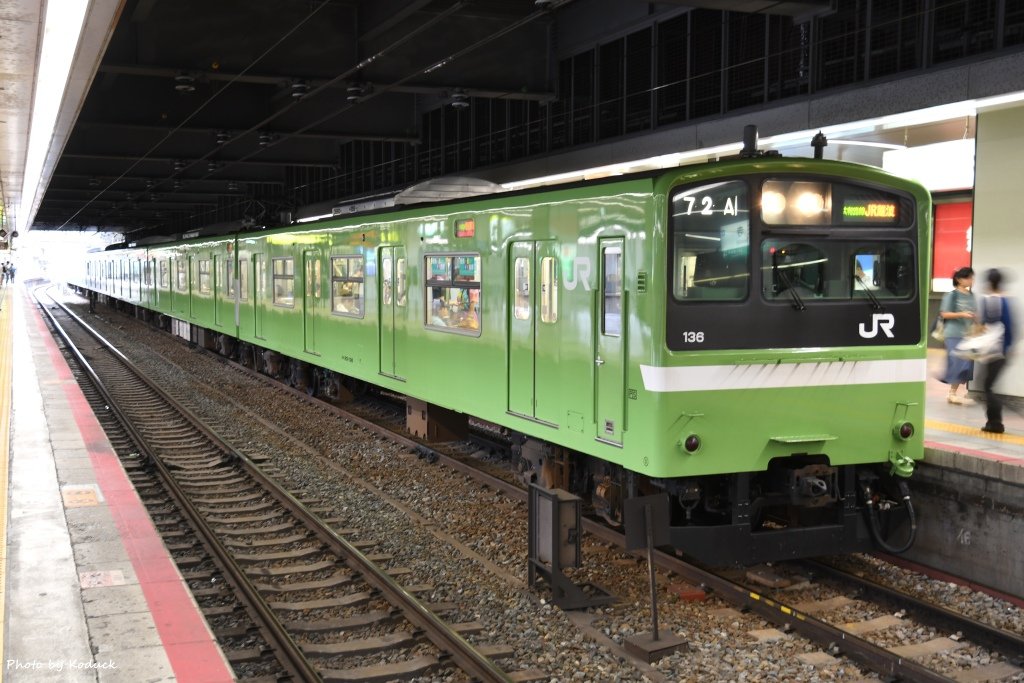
746	336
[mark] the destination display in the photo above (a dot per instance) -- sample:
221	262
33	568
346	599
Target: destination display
884	212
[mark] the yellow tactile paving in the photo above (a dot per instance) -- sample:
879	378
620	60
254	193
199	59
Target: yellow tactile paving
973	431
6	363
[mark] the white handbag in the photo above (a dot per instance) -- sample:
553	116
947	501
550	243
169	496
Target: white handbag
986	345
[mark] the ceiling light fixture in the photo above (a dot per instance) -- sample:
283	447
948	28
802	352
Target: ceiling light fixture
184	83
299	89
459	99
265	138
222	137
354	91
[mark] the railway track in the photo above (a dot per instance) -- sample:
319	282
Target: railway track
789	616
328	610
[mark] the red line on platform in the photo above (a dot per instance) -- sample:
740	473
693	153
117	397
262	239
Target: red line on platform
970	451
192	653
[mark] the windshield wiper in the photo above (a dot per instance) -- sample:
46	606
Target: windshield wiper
798	303
875	303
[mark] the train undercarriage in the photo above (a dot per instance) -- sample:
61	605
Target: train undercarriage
799	507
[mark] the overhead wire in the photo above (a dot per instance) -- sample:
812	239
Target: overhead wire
434	65
363	63
346	74
200	108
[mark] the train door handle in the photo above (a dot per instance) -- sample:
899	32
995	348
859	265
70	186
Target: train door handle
598	361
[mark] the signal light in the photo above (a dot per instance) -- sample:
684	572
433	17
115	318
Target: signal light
905	430
692	443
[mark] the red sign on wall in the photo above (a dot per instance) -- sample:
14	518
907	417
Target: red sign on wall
952	242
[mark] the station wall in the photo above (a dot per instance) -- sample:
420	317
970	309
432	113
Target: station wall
999	220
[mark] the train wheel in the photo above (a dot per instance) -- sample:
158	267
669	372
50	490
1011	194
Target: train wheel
245	355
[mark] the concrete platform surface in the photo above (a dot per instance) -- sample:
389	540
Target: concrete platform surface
91	593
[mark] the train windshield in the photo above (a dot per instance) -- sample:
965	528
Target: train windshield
711	242
837	270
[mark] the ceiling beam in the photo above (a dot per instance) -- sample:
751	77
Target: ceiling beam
157	179
284	82
212	132
171	160
799	11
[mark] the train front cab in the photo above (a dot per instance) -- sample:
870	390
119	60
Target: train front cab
788	398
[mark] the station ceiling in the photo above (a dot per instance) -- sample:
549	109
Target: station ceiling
192	103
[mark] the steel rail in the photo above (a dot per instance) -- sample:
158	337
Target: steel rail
292	657
1006	642
462	653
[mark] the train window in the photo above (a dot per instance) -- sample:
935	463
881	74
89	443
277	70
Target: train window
165	275
453	293
243	279
182	275
611	306
229	276
548	290
204	276
284	281
312	275
837	270
260	264
347	285
402	291
711	242
521	305
386	280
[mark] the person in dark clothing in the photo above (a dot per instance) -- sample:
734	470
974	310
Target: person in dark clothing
995	307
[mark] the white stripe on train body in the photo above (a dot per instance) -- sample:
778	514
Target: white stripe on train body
782	375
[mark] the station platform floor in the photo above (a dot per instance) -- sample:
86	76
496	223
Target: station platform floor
953	436
88	591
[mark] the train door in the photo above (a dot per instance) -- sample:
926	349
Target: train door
259	299
172	287
609	359
190	275
218	290
310	297
533	379
393	293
